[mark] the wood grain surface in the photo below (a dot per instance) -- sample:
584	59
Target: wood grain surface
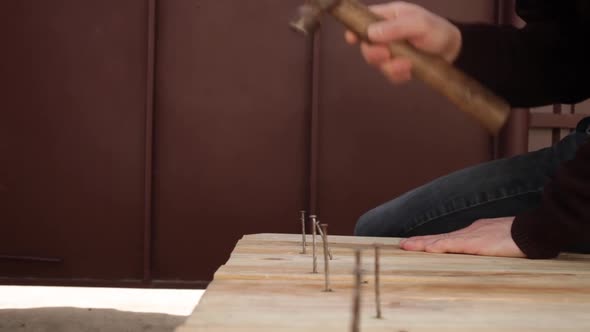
267	285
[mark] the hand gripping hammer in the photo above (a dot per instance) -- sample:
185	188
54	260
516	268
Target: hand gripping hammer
465	92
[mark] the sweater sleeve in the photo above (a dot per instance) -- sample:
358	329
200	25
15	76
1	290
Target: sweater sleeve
541	64
563	218
544	63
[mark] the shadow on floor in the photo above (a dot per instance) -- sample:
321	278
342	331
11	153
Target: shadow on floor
85	320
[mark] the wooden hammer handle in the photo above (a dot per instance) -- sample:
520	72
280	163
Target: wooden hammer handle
465	92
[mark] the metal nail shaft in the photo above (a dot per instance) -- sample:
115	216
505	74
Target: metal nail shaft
314	251
356	304
303	239
322	235
326	260
378	280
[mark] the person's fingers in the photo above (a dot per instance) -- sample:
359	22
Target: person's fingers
412	245
417	243
350	37
375	54
452	245
387	10
397	70
440	246
394	9
403	28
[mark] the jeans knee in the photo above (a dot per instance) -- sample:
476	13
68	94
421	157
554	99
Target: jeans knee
383	221
366	224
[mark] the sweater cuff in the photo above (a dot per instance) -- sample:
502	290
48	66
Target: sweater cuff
473	42
536	238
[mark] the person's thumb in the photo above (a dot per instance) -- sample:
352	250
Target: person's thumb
403	28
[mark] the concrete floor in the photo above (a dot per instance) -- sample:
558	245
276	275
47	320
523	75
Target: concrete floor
85	320
57	309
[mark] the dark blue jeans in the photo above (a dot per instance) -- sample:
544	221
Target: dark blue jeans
500	188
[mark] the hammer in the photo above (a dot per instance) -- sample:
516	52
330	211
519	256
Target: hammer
465	92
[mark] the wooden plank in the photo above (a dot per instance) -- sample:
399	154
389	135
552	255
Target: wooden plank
266	285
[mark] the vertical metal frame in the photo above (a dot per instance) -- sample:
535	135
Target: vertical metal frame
149	140
514	138
314	135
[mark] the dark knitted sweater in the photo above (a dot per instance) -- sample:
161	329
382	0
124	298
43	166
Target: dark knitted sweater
546	62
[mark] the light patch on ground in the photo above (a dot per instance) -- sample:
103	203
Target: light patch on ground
164	301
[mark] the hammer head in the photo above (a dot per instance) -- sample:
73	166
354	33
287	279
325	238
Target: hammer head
309	15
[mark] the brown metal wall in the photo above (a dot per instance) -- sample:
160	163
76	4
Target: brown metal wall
231	129
251	123
72	138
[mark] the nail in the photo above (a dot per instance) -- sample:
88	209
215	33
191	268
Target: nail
326	260
314	251
322	235
356	300
303	240
378	280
